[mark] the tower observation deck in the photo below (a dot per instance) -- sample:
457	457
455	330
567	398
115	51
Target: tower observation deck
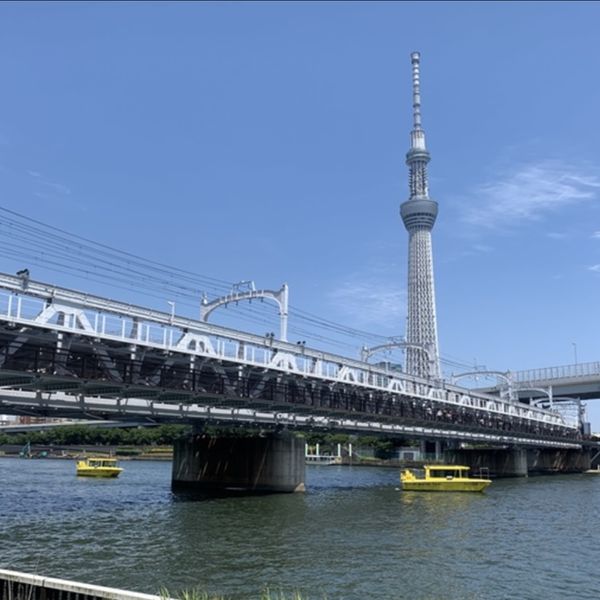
418	214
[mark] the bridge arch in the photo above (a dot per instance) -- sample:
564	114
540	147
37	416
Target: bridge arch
505	376
427	349
238	294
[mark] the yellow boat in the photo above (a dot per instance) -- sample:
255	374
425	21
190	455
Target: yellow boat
443	478
98	467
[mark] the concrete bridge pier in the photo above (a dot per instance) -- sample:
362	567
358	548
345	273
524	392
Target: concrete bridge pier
542	461
499	462
595	459
273	463
519	462
432	449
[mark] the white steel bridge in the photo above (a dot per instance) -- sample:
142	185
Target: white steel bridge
68	353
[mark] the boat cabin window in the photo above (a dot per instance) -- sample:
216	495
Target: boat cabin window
101	463
444	473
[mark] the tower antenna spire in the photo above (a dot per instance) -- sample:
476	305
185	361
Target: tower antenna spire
417	135
416	80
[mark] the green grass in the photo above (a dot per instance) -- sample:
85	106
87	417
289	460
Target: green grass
265	594
189	595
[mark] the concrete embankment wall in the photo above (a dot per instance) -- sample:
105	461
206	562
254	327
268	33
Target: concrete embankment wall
23	586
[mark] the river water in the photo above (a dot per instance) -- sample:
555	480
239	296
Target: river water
353	535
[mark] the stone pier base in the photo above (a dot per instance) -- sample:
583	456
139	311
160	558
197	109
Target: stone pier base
221	465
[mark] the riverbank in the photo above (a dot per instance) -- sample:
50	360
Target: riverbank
68	452
165	453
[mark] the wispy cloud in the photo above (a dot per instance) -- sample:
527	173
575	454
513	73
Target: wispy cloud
49	188
594	268
596	235
371	302
557	235
59	188
529	192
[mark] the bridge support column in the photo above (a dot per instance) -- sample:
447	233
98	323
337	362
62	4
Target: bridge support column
432	450
221	465
500	462
517	462
544	461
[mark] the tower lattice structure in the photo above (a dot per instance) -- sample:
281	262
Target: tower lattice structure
418	214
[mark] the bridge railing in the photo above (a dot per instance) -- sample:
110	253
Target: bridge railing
75	312
589	369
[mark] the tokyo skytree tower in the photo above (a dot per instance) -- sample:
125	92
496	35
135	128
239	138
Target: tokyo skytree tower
418	214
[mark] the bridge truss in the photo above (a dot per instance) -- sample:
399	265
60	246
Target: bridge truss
64	352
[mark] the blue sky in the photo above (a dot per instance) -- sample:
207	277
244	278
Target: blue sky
266	141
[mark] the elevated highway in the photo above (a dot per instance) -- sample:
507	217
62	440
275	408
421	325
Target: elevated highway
580	380
551	385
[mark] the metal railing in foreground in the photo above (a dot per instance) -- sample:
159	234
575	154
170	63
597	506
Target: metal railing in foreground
15	585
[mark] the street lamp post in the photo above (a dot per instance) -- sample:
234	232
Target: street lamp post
574	350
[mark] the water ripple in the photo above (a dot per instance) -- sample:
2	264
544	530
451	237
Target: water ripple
353	536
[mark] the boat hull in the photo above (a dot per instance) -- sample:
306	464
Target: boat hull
103	467
99	472
467	485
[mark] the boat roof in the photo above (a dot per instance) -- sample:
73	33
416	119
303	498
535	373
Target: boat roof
447	467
